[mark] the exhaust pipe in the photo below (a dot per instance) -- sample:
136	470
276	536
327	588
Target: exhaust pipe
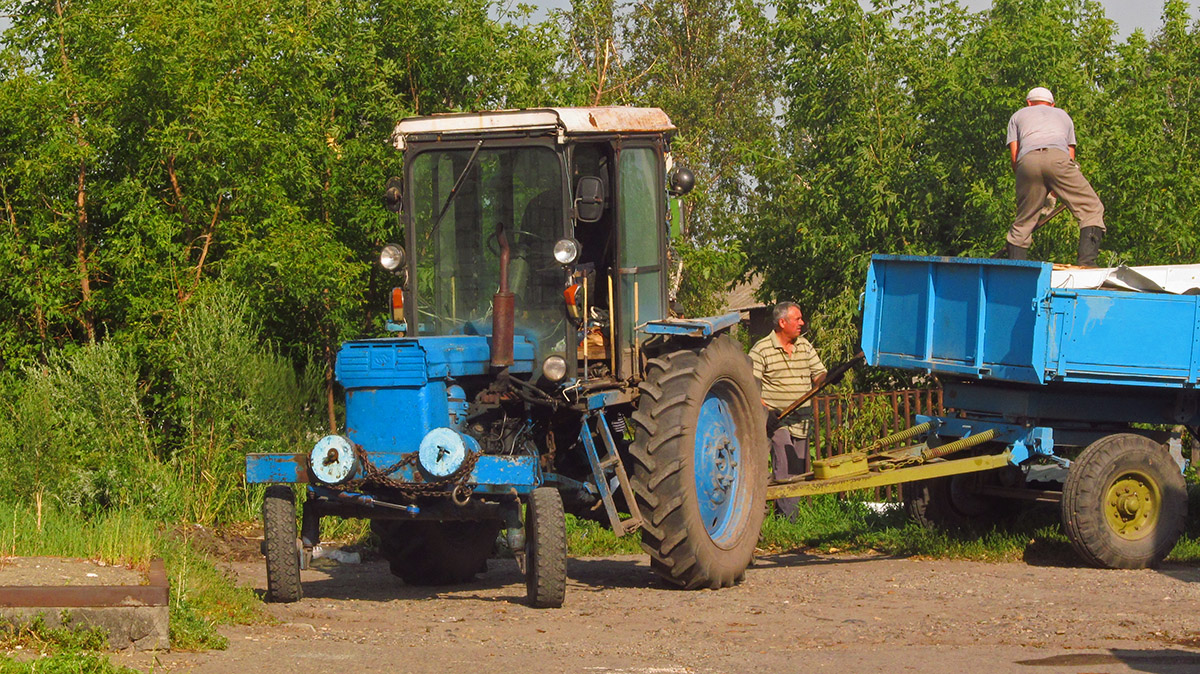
503	309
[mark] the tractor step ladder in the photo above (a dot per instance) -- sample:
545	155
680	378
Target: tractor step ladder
603	467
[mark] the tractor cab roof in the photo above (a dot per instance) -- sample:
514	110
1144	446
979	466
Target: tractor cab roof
562	122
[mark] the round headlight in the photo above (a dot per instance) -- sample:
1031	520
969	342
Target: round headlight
566	251
391	257
554	367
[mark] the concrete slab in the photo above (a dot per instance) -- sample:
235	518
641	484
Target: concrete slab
130	606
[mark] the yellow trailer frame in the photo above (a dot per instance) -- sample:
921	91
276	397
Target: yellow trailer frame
871	468
883	477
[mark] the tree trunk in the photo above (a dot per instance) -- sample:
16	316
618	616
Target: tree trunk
81	216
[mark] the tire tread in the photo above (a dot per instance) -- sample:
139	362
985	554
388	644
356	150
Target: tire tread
1083	514
546	549
280	537
679	547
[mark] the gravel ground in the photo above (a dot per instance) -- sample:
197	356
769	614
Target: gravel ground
794	612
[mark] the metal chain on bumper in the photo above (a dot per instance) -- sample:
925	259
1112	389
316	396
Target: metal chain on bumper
454	485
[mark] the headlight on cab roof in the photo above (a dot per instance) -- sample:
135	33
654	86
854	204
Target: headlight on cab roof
391	257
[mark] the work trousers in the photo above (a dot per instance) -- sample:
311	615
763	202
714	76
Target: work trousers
1039	172
789	457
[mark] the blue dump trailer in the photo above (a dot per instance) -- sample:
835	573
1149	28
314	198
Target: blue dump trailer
1055	391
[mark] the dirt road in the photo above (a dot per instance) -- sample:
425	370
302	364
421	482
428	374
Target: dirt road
794	613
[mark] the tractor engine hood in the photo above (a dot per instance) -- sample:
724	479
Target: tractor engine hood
396	389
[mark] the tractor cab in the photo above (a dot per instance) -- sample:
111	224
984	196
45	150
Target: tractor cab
563	209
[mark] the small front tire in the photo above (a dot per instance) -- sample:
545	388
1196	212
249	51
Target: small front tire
280	543
545	549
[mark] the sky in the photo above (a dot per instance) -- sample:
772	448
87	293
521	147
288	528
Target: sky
1129	14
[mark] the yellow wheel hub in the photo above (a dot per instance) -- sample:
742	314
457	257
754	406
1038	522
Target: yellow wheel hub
1131	505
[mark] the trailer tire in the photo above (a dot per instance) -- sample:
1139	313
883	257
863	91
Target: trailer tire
950	503
1124	503
545	549
431	553
280	544
700	464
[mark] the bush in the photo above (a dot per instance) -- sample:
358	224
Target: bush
77	434
82	433
231	395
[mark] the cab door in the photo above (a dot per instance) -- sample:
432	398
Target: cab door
641	273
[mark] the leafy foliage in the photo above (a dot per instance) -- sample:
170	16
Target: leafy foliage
77	433
707	64
182	184
231	397
892	139
189	192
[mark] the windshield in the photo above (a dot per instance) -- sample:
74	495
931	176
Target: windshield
456	253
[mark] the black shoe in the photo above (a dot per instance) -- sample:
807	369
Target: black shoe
1089	246
1016	252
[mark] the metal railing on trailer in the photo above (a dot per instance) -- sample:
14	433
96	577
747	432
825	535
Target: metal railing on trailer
837	422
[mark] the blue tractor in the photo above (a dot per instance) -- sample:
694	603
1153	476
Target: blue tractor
533	368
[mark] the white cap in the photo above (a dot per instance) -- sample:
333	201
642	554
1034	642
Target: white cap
1040	94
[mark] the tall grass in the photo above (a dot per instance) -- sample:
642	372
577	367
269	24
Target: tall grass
78	435
107	447
231	395
201	596
847	524
164	430
121	537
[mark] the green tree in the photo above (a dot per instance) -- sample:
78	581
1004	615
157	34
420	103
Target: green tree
892	139
149	149
707	64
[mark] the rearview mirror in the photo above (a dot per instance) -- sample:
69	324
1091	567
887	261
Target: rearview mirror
393	195
589	199
681	181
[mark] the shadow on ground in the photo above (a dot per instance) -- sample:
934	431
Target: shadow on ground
1158	660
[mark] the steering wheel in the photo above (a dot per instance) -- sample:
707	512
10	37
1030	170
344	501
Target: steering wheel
493	244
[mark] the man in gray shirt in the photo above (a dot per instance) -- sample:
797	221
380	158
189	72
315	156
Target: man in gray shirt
1041	140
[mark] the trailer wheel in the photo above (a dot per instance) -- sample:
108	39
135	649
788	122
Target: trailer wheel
700	464
545	549
1124	503
429	553
952	503
279	538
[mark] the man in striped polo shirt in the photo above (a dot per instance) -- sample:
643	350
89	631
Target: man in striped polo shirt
787	366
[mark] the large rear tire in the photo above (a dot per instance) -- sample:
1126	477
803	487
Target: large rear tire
1124	503
279	538
545	549
700	464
